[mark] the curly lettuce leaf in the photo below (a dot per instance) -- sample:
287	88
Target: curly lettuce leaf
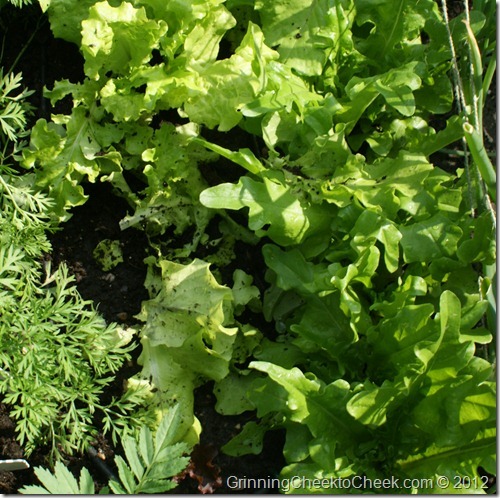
187	335
66	17
118	39
65	152
224	87
174	183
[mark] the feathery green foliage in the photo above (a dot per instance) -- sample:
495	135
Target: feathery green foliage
57	354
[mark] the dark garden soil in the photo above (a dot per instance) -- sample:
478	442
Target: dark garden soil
118	293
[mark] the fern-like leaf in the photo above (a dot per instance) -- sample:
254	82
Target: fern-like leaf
13	108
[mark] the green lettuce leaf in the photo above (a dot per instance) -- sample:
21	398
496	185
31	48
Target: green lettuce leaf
67	151
117	39
225	86
271	203
187	335
304	32
66	17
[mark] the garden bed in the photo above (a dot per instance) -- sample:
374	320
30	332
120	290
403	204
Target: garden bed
283	261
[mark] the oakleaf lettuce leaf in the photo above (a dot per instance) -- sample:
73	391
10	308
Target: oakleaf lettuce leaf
270	203
395	26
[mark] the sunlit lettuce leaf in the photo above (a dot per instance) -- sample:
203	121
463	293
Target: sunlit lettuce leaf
303	32
294	391
469	415
186	335
198	24
225	86
244	157
284	91
117	39
64	153
312	473
430	239
202	43
371	227
396	86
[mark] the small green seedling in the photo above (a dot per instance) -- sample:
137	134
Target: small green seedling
108	253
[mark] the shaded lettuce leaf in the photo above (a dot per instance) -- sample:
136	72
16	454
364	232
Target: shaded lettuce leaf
271	204
66	17
393	26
